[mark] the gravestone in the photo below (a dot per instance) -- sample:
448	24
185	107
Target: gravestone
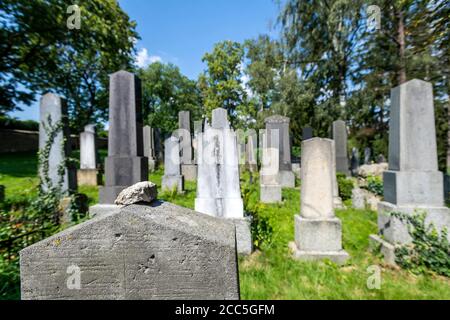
188	168
218	190
337	201
413	182
281	124
251	152
367	155
354	162
340	140
172	179
381	158
149	147
159	152
318	233
241	138
307	133
198	128
156	251
270	188
88	174
125	164
53	112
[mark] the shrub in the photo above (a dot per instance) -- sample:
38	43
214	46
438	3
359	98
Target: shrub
429	249
11	123
375	185
345	186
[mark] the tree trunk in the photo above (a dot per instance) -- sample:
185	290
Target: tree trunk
402	44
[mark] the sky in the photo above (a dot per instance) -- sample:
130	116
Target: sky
182	31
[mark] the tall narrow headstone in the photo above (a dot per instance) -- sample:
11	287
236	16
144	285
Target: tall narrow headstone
413	182
318	233
188	168
159	152
270	188
281	124
340	139
337	201
125	164
367	155
53	113
218	190
149	147
251	151
354	161
88	173
198	128
172	178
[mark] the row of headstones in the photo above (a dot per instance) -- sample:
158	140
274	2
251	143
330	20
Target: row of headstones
165	251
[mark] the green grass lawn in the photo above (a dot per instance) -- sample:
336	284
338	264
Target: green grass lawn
270	272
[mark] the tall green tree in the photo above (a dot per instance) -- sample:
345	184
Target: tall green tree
166	91
40	53
221	84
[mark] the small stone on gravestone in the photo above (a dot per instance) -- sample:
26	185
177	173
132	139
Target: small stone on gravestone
140	192
318	233
54	109
158	251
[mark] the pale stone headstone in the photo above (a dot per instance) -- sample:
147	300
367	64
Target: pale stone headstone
340	139
318	233
251	152
53	111
218	190
156	251
149	147
281	124
198	128
88	173
367	155
413	182
337	201
172	178
270	188
125	164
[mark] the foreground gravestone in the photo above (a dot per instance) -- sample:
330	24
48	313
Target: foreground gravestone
413	182
157	251
188	168
318	233
283	144
270	188
125	164
53	119
340	139
88	174
149	147
218	190
172	179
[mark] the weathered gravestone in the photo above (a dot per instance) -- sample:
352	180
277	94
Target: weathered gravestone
156	251
125	164
318	233
354	161
188	168
283	144
337	201
172	179
251	152
149	147
56	149
340	140
88	173
159	152
270	188
307	133
198	128
413	182
218	190
367	155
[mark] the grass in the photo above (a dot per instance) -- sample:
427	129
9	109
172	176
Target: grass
270	272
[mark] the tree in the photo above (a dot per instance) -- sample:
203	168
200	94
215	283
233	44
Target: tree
221	84
41	54
166	92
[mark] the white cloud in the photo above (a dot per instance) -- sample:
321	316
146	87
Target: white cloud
143	59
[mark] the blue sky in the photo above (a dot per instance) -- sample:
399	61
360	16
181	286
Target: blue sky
182	31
